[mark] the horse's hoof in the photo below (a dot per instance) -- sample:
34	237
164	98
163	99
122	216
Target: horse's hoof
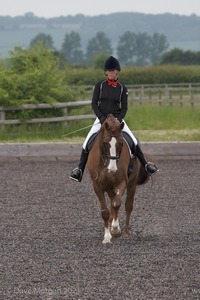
116	233
105	241
126	233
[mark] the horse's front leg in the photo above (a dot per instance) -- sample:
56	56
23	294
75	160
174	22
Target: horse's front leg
114	219
104	213
105	216
114	210
129	206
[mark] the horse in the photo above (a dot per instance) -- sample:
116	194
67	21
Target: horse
108	163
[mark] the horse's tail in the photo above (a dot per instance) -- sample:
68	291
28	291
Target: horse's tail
143	176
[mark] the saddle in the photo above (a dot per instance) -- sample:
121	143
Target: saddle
91	141
127	138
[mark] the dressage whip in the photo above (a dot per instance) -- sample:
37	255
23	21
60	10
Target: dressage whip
77	130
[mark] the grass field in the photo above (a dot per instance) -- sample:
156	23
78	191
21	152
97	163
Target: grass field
148	122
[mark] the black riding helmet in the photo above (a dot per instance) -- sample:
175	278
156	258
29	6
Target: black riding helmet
112	64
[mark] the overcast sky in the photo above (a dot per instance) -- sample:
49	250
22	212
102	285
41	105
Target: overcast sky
53	8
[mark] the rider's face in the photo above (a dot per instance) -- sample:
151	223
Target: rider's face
112	74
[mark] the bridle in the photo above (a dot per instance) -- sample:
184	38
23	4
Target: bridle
106	156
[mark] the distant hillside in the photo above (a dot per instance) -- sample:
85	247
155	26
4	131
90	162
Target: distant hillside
181	31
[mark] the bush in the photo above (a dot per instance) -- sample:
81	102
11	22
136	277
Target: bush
32	76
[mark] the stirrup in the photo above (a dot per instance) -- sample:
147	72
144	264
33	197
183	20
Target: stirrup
151	164
76	177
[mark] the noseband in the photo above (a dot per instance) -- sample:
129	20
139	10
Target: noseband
113	157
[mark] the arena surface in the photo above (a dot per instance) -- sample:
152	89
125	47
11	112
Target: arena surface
52	231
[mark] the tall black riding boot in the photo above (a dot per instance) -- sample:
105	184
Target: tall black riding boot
148	166
77	173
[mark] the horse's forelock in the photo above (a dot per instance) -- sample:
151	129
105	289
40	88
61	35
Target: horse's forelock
111	119
112	125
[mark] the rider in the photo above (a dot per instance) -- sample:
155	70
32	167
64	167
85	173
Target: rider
110	97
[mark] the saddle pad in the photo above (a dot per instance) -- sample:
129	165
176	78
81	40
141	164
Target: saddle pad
91	141
130	143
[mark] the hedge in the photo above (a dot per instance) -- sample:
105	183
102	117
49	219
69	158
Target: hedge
138	75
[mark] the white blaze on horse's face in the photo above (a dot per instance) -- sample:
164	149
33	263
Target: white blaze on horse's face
112	167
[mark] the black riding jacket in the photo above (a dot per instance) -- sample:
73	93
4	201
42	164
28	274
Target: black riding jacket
108	99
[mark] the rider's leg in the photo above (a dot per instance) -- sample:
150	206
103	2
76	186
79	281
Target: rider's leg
77	173
148	166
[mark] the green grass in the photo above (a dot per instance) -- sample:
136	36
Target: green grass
168	135
45	132
154	117
149	123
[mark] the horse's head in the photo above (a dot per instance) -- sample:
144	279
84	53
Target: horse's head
111	138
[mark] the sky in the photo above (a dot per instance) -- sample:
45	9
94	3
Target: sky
56	8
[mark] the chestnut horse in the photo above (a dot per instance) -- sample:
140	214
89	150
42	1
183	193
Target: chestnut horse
108	163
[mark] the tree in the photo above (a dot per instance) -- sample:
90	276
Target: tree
189	58
142	49
126	48
172	57
134	49
45	39
159	45
178	56
100	44
100	60
71	48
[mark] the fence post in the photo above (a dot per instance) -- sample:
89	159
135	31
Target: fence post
170	95
65	111
191	92
166	91
2	117
149	94
159	94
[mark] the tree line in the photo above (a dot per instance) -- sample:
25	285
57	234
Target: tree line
181	57
135	49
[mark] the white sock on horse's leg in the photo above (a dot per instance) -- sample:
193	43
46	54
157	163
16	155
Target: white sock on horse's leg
107	236
115	228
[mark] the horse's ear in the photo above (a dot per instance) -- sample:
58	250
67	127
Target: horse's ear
122	125
106	125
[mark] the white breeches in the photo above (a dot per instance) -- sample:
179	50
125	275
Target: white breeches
96	127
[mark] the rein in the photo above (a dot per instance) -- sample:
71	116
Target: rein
77	130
